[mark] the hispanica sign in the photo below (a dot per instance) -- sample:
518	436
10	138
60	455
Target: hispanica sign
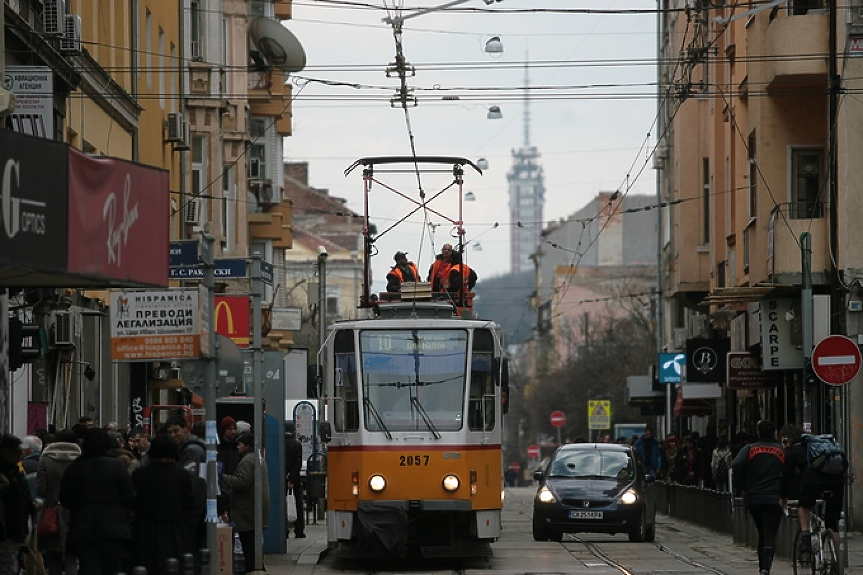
148	325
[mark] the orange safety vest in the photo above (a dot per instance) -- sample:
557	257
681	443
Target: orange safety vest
461	268
397	271
440	271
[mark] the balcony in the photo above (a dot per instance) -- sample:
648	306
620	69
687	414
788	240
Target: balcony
783	249
283	9
796	50
265	226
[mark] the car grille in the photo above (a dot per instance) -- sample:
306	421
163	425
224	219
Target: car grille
591	503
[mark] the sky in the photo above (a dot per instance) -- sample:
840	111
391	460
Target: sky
591	107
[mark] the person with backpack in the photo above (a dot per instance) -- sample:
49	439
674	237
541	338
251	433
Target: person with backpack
720	464
822	465
758	471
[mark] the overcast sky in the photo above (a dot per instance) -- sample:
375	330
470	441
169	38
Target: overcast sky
591	105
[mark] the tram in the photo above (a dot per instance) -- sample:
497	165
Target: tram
414	396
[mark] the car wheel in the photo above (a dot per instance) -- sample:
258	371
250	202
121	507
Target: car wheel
640	533
540	534
556	536
650	534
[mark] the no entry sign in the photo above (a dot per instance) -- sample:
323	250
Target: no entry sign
558	418
533	451
836	360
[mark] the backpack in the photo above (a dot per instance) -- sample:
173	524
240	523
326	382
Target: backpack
721	473
824	454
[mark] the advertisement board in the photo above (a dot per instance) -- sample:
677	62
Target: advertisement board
149	325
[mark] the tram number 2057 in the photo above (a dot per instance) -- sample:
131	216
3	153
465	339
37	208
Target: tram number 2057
413	460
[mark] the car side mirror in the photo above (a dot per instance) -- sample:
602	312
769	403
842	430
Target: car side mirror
649	478
537	475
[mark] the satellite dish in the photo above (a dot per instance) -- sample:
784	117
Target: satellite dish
278	45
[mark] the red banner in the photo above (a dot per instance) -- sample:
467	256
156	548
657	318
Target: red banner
231	318
118	220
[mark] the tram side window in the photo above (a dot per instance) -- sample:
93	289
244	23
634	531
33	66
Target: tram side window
481	403
347	408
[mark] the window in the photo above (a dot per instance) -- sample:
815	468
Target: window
481	402
229	209
806	183
161	57
346	407
705	202
148	47
199	171
799	7
195	48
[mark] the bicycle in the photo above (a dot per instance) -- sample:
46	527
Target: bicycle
822	557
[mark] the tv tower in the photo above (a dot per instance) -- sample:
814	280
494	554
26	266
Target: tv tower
526	194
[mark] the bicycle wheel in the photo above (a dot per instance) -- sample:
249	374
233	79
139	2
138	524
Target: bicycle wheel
801	562
830	559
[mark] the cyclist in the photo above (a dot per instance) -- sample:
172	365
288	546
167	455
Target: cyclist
814	485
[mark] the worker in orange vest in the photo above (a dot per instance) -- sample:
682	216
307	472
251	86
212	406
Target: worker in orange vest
439	270
403	271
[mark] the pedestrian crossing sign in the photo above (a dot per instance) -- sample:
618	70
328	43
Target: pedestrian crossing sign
599	414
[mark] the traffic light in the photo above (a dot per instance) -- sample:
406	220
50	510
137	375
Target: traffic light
19	354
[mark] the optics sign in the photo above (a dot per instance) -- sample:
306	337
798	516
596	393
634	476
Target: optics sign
148	325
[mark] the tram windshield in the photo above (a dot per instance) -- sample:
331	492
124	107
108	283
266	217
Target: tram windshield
413	379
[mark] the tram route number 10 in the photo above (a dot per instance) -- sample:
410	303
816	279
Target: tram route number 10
413	460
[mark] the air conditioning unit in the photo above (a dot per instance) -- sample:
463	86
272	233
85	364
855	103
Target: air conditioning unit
63	328
254	169
175	130
54	17
70	43
192	213
268	195
697	326
185	143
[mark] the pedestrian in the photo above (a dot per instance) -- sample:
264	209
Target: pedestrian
97	491
163	498
56	459
139	441
757	471
121	452
15	502
439	271
672	449
192	455
648	448
243	427
242	486
227	457
720	464
403	271
30	461
294	463
87	421
791	437
461	280
690	462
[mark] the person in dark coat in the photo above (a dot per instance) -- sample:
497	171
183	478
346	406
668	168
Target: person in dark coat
242	485
650	452
228	457
97	490
163	498
16	506
56	459
294	464
757	470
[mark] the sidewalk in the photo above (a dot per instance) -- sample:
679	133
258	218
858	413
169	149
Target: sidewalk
687	538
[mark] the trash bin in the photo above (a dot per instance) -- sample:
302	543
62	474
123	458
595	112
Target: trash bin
317	484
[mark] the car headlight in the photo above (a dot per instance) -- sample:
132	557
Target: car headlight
377	483
629	497
450	483
545	495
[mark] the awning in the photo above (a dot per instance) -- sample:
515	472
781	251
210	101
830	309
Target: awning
693	406
741	294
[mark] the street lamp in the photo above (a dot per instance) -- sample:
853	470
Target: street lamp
482	164
494	46
494	113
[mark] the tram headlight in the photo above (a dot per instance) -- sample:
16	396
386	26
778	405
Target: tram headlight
377	483
450	483
545	495
629	497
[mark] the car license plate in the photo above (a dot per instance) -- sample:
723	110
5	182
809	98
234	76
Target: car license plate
585	514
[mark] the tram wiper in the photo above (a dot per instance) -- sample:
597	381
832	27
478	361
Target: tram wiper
371	409
416	403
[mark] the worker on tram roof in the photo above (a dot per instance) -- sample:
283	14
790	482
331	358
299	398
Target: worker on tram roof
403	271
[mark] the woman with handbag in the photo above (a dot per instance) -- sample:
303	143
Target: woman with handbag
56	457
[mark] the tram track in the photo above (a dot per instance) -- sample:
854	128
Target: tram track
594	549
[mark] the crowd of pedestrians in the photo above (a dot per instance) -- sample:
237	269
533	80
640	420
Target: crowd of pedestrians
113	501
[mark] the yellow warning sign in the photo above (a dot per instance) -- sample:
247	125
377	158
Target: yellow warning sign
599	414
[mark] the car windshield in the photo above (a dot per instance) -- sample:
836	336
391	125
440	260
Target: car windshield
592	464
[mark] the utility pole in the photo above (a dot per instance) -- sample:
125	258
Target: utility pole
210	351
806	310
257	391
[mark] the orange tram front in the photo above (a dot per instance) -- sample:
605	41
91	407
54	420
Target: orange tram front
415	401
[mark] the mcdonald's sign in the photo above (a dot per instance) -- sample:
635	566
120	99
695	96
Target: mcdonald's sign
231	318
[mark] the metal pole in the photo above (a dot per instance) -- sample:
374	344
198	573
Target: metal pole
207	245
322	300
806	310
258	426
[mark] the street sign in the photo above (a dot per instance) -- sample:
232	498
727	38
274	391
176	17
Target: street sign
533	451
599	414
558	418
836	360
515	466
